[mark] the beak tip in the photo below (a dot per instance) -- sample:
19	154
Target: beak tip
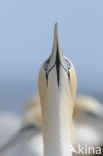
56	28
56	33
56	24
57	47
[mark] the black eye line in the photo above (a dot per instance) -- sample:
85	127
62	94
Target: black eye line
47	72
68	72
64	68
51	68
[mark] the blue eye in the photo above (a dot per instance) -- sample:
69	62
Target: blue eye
67	63
46	65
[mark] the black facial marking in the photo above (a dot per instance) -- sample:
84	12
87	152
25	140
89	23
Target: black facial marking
69	75
47	77
47	73
57	63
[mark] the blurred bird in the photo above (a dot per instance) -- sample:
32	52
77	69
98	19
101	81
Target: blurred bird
23	135
87	117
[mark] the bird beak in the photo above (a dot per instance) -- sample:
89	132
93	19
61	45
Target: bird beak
57	55
56	58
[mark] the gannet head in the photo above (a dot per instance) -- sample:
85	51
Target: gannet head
57	71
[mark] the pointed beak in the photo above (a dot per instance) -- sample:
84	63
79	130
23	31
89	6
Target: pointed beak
56	58
57	55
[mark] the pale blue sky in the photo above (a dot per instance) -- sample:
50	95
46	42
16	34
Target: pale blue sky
26	37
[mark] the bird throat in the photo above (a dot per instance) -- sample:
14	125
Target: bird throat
56	126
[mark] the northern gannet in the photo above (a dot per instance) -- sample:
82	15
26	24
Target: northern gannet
57	89
88	116
23	135
57	80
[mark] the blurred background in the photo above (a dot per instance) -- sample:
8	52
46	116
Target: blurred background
26	38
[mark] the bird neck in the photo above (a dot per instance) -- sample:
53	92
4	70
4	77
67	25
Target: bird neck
57	118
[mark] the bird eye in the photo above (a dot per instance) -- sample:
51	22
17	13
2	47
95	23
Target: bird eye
67	63
46	65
